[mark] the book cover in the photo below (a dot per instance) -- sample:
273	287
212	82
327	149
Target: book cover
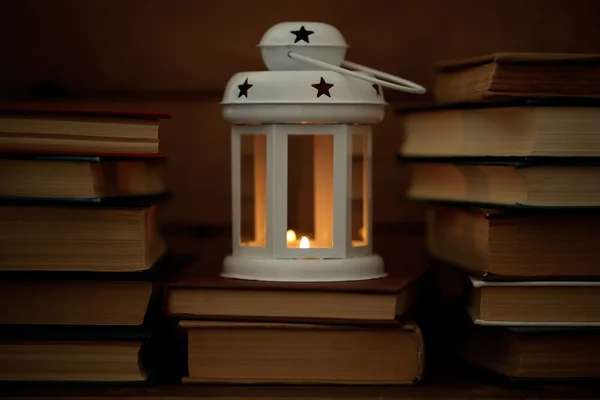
523	58
517	102
143	201
388	285
508	76
479	283
76	157
74	112
489	164
515	162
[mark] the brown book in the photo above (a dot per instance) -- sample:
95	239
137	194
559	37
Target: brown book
538	129
72	238
42	176
493	244
531	353
506	183
73	302
535	303
71	361
506	76
376	300
303	354
79	131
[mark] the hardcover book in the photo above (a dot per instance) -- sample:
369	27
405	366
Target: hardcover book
506	76
79	131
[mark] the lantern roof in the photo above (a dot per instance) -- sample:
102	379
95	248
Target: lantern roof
301	96
292	90
300	87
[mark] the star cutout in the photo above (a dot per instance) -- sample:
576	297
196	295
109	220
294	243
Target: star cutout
323	88
244	89
377	89
302	34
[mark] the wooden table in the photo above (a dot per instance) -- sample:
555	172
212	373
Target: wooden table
444	382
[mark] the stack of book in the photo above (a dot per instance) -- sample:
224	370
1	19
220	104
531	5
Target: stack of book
298	333
81	259
509	160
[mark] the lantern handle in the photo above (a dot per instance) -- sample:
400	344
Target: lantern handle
401	84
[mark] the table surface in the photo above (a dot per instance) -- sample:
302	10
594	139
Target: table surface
446	382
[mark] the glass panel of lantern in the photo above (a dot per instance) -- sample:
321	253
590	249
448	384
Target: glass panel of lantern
310	192
319	187
249	152
360	205
310	164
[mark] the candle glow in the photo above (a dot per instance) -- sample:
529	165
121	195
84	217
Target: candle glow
304	243
291	236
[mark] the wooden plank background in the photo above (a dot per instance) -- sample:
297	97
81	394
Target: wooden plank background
177	55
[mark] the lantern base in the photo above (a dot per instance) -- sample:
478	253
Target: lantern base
304	270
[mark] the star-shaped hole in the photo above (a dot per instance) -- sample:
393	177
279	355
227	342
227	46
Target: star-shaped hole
302	34
244	87
377	89
323	88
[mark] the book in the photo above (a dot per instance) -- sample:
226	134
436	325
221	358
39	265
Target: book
374	301
69	361
531	353
245	352
88	298
511	244
76	238
506	76
73	302
531	128
79	131
48	176
500	183
534	303
75	354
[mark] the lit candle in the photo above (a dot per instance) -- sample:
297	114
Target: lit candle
291	236
304	243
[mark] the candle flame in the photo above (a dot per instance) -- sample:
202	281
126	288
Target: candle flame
304	243
291	236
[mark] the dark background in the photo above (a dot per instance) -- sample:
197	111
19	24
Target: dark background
177	55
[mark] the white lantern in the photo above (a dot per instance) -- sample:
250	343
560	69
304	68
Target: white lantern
301	160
